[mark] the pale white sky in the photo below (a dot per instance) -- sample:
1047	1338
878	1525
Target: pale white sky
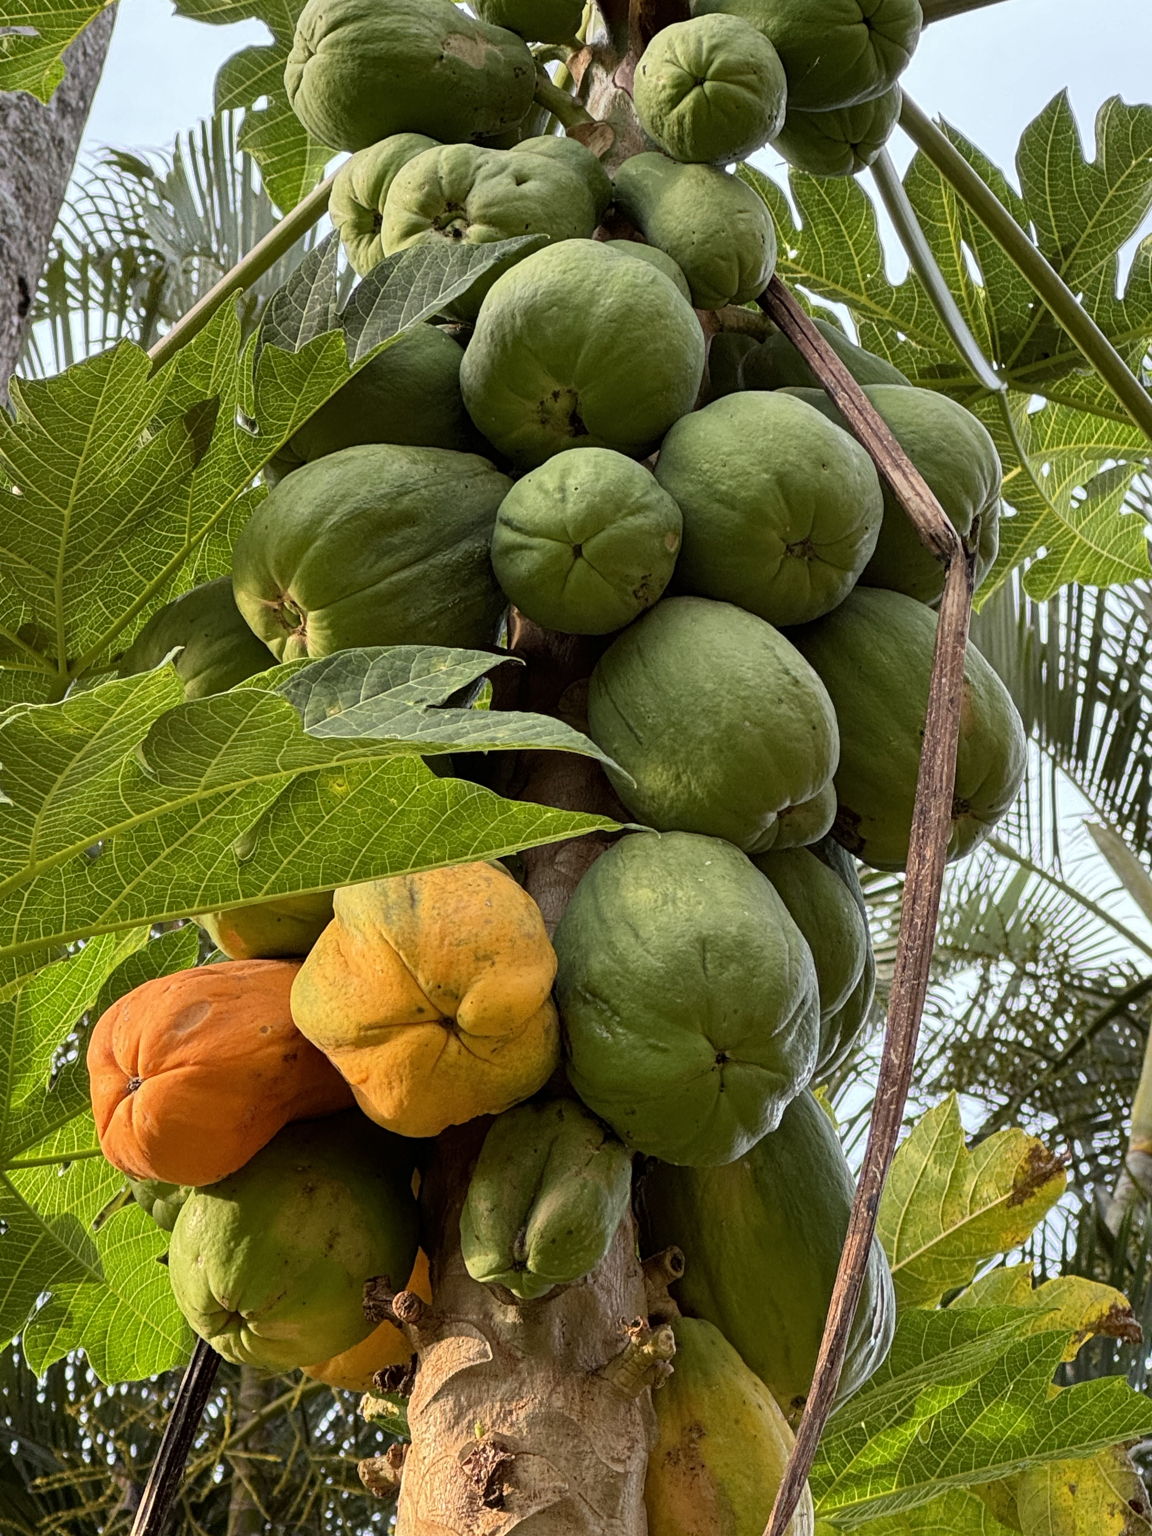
989	72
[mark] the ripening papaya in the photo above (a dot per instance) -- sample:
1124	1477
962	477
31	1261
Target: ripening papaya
353	1369
269	930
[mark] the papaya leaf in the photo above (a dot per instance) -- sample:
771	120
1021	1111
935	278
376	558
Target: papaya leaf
399	693
128	1324
955	1513
120	484
964	1398
128	806
290	160
947	1210
1070	453
1086	1308
31	55
1100	1496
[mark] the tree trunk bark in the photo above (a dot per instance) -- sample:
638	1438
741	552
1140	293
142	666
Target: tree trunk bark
38	146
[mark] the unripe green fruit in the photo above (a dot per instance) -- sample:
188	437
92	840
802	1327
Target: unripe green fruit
581	347
538	21
586	542
834	52
655	258
715	718
842	142
269	930
711	89
716	229
162	1201
360	70
776	363
219	649
823	909
780	515
360	190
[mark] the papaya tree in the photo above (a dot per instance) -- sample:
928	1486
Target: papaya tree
445	723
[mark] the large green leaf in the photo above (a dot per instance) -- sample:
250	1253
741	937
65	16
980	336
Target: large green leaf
965	1398
127	806
31	56
955	1513
125	480
946	1210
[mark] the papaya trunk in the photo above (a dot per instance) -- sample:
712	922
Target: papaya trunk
529	1417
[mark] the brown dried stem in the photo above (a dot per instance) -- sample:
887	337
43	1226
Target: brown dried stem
928	850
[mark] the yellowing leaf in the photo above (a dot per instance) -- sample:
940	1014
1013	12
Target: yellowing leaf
1085	1307
1101	1496
946	1210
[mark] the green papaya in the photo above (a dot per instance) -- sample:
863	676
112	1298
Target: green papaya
716	721
461	192
580	347
375	545
219	650
955	453
360	190
655	258
822	908
843	142
710	89
841	1030
726	352
799	825
162	1201
585	542
775	364
269	1264
687	995
269	930
362	70
761	1239
836	52
722	1444
549	1189
408	394
538	21
874	654
715	228
781	515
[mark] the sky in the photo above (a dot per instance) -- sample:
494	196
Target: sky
989	73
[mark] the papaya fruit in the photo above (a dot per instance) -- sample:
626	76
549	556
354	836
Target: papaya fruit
761	1239
586	541
360	190
843	142
841	1029
218	648
835	53
688	997
722	1444
408	394
780	514
955	453
538	21
353	1370
797	826
655	258
726	352
874	655
269	1265
715	722
162	1201
823	909
715	228
192	1073
710	89
775	363
549	1189
461	192
374	545
361	70
269	930
432	994
580	347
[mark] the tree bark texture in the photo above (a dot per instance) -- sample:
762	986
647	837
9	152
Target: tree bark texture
38	146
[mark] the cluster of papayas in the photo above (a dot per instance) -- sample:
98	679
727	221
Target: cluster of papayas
561	440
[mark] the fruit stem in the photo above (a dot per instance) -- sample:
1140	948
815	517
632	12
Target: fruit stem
644	1360
564	108
1049	287
263	255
